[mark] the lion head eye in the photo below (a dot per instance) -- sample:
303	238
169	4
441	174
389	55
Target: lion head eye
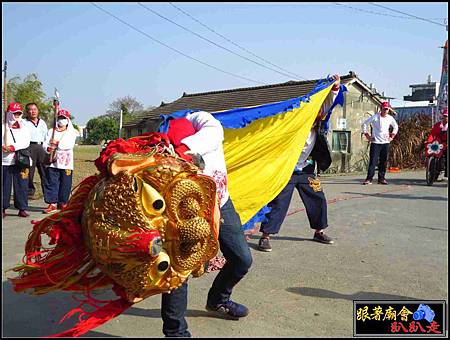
158	204
152	202
162	263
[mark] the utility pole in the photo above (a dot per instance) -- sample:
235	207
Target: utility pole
120	124
5	99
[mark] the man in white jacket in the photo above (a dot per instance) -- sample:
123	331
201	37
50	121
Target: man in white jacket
15	136
207	142
379	142
59	174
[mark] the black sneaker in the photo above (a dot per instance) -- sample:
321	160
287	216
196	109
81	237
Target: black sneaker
323	238
264	244
230	309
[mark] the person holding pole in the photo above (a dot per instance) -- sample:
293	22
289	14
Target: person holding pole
60	142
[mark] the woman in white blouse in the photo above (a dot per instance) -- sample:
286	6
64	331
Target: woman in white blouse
15	136
59	173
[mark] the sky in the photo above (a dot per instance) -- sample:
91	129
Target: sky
93	58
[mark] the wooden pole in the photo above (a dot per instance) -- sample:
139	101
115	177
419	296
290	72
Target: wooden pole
5	101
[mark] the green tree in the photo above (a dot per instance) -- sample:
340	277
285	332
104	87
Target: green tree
30	90
130	107
101	129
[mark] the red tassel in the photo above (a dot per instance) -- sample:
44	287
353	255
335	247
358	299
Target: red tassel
139	242
95	319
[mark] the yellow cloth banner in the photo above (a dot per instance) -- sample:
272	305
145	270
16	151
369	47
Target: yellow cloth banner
262	156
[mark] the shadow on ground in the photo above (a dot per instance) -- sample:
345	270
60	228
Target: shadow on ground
275	238
329	294
399	196
27	315
391	181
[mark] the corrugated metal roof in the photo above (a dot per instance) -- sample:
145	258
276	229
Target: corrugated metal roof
235	98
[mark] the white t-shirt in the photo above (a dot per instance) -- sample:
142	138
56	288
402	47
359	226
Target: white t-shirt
64	151
311	140
22	141
380	127
207	141
307	149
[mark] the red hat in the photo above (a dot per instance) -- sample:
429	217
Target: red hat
14	107
385	105
64	113
445	112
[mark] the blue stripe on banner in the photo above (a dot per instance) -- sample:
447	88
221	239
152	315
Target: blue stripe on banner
241	117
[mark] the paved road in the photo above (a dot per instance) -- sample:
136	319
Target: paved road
391	243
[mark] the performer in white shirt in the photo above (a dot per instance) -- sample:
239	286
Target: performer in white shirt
38	131
15	136
59	173
379	142
207	142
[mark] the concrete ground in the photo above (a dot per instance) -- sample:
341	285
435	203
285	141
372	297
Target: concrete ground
390	244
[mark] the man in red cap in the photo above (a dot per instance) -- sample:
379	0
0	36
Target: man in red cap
16	136
381	122
59	174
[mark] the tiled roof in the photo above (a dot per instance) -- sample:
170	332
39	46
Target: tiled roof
235	98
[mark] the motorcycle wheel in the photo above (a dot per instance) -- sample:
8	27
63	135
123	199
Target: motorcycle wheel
431	171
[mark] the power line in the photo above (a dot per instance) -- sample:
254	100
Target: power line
414	16
173	49
232	42
378	13
212	42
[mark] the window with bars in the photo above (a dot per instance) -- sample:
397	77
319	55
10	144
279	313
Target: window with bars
341	141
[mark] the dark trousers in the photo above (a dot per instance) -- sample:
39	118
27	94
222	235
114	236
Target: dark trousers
37	155
173	310
16	177
378	154
314	201
58	185
235	249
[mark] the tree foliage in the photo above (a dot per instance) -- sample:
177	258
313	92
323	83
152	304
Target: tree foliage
130	107
30	90
101	129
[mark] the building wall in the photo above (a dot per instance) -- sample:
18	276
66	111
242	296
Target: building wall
150	126
357	108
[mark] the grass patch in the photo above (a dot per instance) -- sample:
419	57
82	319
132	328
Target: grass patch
84	157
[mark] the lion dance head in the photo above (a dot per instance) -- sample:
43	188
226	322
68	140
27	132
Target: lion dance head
143	225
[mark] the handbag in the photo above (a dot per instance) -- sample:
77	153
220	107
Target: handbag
23	156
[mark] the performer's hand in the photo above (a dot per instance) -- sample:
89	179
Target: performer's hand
5	148
337	82
369	138
197	159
